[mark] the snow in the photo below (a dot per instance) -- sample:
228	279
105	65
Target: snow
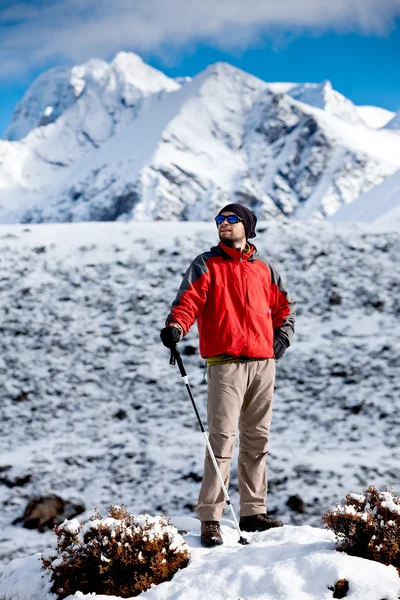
286	563
127	78
374	116
121	141
72	526
25	579
394	124
357	497
350	510
388	501
323	96
91	103
157	528
381	204
81	309
281	87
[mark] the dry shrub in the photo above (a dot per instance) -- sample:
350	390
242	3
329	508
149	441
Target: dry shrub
368	525
121	555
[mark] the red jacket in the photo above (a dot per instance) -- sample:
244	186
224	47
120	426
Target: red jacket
239	301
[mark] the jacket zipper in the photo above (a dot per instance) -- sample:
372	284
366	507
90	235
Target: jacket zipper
243	284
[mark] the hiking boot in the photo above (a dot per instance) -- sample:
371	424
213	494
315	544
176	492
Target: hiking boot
258	523
211	534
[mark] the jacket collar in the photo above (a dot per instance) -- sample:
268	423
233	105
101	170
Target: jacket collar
235	253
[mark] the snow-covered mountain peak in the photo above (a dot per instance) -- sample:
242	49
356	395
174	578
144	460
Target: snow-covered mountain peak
46	99
130	68
227	73
315	94
127	58
121	140
227	93
126	80
323	96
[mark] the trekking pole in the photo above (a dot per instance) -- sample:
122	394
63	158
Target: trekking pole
176	355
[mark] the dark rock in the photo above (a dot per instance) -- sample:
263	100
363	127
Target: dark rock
121	414
119	205
17	481
46	511
40	249
75	194
189	350
341	588
338	370
277	481
194	476
335	299
296	503
21	397
378	304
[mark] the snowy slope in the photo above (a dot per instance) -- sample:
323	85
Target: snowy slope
293	563
322	95
125	142
81	309
375	117
381	204
394	124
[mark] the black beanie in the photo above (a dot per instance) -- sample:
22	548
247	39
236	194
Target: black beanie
249	218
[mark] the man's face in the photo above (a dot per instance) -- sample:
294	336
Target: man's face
231	232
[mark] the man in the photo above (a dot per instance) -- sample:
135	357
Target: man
245	321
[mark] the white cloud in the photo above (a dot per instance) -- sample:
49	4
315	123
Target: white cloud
74	30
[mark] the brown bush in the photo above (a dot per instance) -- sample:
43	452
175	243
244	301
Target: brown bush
368	525
120	555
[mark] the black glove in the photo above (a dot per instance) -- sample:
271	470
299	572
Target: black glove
170	336
280	346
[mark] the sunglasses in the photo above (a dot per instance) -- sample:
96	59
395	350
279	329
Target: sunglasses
219	219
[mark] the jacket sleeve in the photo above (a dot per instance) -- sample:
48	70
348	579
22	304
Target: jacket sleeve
192	295
282	308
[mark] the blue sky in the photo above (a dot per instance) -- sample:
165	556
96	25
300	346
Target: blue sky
354	43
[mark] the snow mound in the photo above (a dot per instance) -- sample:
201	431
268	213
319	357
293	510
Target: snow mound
286	563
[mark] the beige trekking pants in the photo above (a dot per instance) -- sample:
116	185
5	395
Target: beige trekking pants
239	396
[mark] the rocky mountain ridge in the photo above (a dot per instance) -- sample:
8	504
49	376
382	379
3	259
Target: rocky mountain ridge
122	141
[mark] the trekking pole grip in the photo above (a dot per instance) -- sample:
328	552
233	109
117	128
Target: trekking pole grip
176	356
